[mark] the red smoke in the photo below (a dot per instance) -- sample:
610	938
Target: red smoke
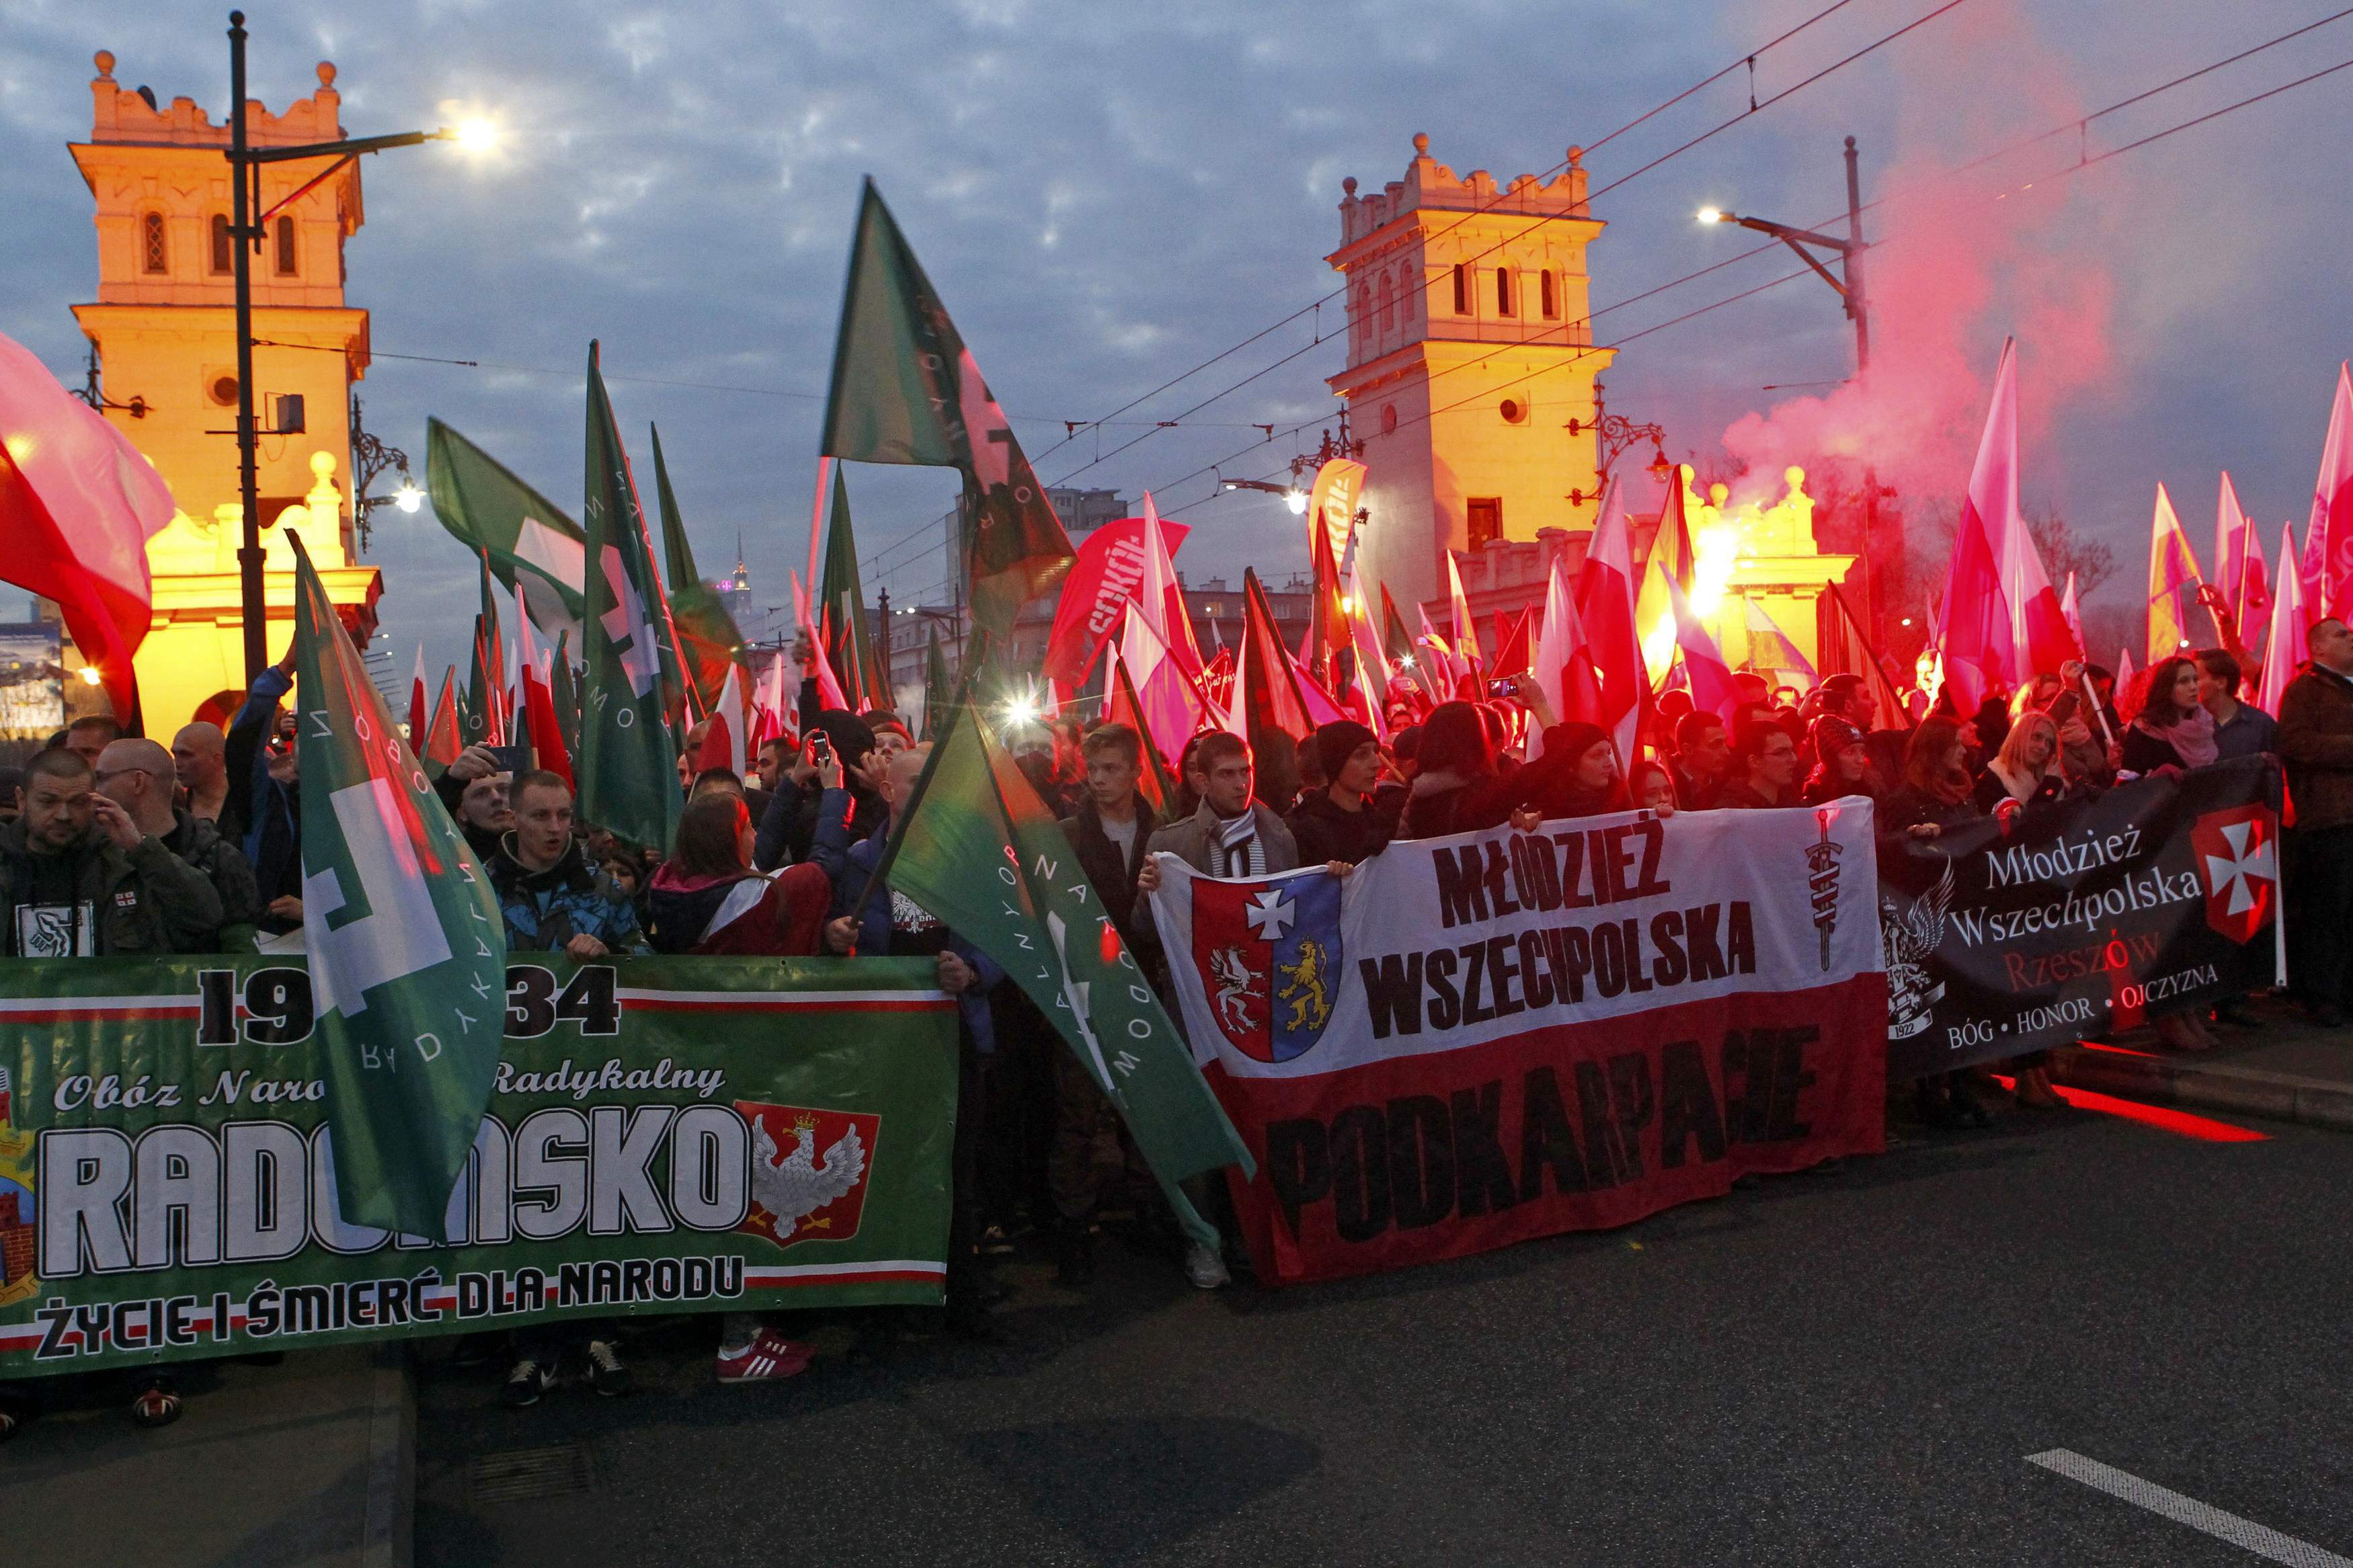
1953	268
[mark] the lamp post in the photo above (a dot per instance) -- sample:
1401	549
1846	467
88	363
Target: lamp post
248	222
1613	433
1848	252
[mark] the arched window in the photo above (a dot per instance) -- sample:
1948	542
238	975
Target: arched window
154	252
1461	289
1551	295
1363	314
1388	305
1408	287
282	241
1502	290
224	256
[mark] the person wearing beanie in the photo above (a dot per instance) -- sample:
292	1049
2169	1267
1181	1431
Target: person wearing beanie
1341	821
1591	785
1843	764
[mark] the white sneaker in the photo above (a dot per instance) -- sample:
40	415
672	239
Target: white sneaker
1203	1267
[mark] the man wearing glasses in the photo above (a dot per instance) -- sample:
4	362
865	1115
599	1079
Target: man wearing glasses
138	776
78	878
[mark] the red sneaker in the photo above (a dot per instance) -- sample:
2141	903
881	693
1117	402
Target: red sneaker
769	1355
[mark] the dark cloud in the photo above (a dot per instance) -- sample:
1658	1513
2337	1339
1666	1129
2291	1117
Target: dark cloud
1108	194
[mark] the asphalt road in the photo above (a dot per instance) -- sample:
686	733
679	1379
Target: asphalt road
1836	1369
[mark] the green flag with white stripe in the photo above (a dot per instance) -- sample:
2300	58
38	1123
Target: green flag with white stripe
533	548
627	766
407	951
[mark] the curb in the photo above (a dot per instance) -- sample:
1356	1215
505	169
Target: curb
389	1534
2216	1085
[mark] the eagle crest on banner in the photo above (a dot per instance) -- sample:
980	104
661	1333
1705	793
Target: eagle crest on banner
1268	950
1909	937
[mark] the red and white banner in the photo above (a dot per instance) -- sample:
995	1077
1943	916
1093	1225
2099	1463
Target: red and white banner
1477	1040
1110	569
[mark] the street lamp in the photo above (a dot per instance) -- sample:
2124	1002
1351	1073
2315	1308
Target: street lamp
246	231
1849	251
1613	433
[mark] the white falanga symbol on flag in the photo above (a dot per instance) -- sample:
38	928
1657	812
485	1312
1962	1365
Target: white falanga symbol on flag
626	622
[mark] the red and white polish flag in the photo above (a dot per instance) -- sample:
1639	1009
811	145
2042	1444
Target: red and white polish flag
78	504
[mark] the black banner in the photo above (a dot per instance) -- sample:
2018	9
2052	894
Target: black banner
2087	918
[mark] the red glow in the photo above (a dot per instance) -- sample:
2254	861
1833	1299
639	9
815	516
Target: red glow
2117	1050
2179	1122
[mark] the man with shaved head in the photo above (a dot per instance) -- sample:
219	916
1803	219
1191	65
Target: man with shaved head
200	757
78	878
138	776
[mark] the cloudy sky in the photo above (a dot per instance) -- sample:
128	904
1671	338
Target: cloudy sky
1108	196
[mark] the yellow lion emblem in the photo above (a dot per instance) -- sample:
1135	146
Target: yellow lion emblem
1309	1006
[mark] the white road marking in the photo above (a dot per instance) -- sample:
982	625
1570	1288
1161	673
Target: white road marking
2245	1533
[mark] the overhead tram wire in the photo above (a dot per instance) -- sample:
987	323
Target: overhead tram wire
1749	59
910	538
2085	163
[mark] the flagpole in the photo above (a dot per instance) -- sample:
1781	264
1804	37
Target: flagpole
915	798
817	517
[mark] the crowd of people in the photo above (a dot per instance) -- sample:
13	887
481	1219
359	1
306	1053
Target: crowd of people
112	845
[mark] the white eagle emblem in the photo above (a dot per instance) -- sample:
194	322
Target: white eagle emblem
796	1186
1908	937
1235	977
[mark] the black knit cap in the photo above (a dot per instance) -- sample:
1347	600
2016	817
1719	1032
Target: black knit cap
1337	742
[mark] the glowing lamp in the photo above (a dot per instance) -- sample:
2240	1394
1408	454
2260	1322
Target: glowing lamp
1020	711
1713	215
90	676
1297	501
476	136
408	497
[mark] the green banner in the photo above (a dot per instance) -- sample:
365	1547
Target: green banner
664	1135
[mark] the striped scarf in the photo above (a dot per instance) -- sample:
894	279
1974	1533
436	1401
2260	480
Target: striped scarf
1241	852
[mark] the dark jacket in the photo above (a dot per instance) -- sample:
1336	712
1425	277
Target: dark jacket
1691	793
270	813
1111	874
141	901
883	909
202	845
2315	742
1738	795
1324	831
788	827
545	909
2144	753
1907	806
2250	733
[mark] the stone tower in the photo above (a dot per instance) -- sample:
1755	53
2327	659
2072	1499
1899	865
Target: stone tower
1468	352
163	326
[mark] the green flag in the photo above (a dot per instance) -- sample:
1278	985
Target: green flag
905	390
980	852
563	692
628	765
533	548
479	718
938	692
490	669
707	637
407	951
841	612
